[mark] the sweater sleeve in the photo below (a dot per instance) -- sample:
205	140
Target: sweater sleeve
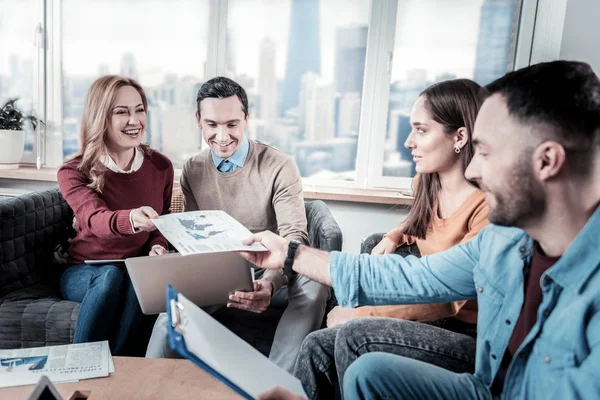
288	202
88	206
400	238
155	236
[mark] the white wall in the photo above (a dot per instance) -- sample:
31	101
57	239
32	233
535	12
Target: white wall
359	220
581	33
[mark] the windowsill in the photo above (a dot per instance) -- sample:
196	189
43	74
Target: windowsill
358	195
30	173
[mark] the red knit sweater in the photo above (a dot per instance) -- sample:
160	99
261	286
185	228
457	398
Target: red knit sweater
102	220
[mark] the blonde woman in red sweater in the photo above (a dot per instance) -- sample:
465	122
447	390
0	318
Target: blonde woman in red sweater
115	185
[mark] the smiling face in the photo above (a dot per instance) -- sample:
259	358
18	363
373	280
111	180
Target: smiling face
431	147
222	121
503	166
127	123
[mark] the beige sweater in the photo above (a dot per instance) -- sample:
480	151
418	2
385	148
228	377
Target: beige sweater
265	194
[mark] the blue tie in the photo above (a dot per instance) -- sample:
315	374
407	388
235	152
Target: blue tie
226	166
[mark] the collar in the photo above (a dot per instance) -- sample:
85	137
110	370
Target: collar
112	165
580	261
238	158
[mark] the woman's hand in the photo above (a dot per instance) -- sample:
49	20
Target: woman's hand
158	250
386	246
141	219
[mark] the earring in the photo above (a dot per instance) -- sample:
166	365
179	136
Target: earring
457	150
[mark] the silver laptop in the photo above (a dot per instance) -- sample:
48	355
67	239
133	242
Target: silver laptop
205	279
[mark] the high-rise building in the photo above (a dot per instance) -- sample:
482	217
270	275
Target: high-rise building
398	159
267	82
181	138
348	115
154	125
317	108
350	55
493	45
304	49
71	142
128	67
103	69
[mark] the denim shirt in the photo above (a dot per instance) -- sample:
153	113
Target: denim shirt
559	358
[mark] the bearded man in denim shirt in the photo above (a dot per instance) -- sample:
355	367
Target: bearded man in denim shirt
535	273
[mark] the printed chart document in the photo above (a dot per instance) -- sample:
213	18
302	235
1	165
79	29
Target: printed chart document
195	232
59	363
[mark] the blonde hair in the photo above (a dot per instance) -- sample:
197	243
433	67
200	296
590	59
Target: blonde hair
95	120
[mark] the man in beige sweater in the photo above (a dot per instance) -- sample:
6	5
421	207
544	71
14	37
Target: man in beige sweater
261	188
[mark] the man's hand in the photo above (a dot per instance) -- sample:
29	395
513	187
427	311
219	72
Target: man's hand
158	250
257	301
339	316
274	257
141	218
386	246
279	393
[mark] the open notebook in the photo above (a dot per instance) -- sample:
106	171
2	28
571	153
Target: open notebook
197	336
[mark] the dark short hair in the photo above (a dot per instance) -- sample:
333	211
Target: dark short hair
561	97
220	88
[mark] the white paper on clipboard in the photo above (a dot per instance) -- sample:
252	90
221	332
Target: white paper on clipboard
229	355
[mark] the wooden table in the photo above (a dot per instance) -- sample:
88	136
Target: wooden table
142	378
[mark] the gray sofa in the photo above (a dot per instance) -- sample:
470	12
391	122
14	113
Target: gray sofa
371	241
31	310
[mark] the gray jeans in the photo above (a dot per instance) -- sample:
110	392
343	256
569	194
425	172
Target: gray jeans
325	355
304	314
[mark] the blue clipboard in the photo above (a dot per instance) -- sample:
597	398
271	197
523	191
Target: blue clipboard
177	343
198	337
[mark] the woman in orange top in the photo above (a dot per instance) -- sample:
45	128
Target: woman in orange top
447	210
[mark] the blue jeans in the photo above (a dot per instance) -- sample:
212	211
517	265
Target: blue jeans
325	355
388	376
109	307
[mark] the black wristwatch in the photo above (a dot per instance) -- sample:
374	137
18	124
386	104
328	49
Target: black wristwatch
289	258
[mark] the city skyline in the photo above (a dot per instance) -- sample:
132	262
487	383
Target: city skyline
319	126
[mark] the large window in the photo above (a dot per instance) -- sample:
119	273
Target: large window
20	62
302	63
330	82
439	40
161	44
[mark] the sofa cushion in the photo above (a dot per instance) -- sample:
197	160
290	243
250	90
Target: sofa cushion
36	316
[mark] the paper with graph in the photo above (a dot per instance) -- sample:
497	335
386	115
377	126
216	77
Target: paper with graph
59	363
195	232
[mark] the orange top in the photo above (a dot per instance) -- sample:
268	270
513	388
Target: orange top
460	227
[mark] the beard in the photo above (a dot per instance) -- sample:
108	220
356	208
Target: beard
522	200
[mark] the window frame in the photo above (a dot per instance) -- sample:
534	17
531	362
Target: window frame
537	38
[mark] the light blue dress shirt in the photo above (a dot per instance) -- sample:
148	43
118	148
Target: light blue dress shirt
237	159
559	358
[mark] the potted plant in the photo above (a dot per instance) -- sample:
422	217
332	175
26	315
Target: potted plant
12	136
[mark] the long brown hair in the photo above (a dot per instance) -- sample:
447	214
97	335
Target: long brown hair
454	104
95	121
